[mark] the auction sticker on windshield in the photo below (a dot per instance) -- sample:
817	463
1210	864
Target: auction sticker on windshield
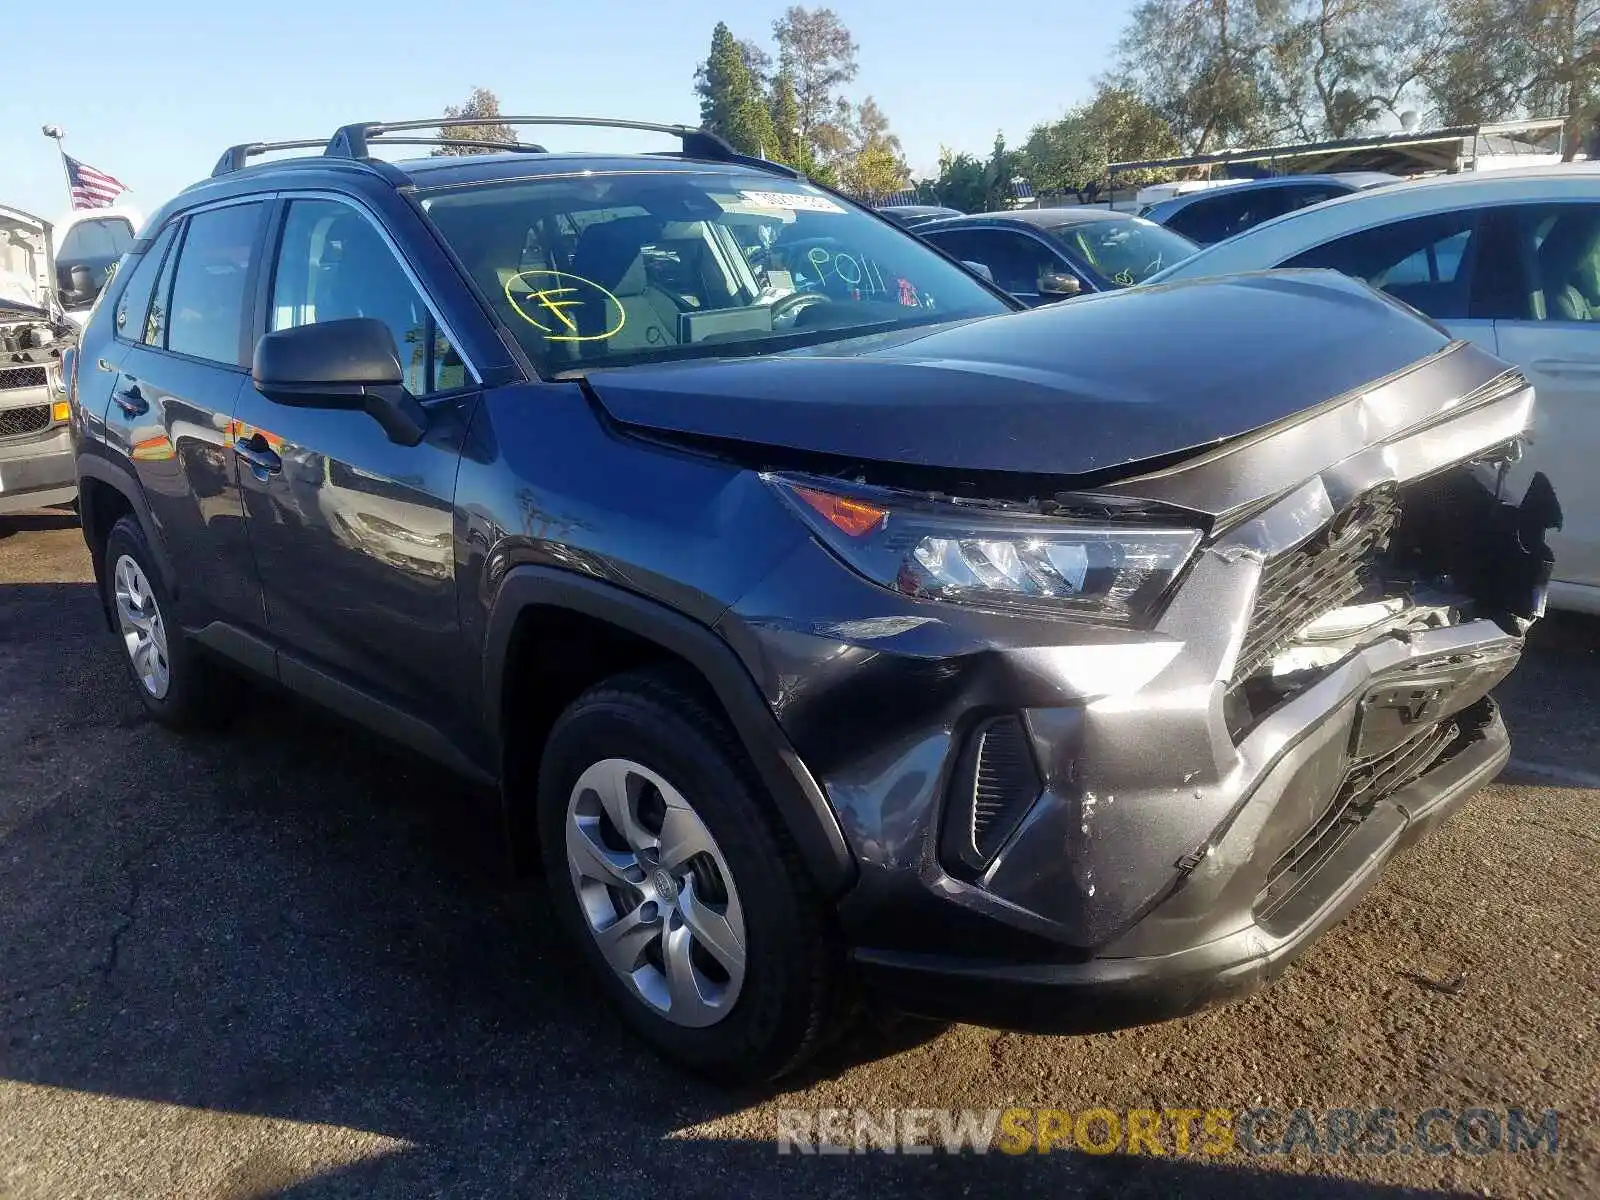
791	200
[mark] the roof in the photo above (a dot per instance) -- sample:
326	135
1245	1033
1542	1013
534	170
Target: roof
1406	151
1039	218
1274	241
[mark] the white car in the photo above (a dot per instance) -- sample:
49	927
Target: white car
1509	260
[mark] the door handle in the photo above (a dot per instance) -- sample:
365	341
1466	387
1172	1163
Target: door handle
261	458
1579	368
131	401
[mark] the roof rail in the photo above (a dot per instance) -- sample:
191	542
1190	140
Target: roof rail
351	141
234	157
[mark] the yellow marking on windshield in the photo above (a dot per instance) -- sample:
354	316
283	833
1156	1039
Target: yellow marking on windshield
559	297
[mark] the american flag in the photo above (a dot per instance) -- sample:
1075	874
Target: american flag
91	188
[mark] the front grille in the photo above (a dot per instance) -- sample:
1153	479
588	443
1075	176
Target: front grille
21	377
19	422
1335	567
1364	785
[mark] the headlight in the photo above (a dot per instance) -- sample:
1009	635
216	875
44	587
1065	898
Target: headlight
1105	570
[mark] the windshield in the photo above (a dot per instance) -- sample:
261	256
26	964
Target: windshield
1124	252
604	270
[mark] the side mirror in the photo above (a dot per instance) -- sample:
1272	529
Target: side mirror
1059	284
978	268
349	364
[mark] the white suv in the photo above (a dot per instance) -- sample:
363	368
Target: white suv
1510	261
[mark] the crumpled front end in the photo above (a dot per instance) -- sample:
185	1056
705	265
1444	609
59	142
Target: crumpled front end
1065	826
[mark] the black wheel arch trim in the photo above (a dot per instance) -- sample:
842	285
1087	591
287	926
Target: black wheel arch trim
126	484
799	800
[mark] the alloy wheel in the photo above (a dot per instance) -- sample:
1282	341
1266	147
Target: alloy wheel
656	892
143	633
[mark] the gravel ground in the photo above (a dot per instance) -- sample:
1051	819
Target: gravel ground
285	961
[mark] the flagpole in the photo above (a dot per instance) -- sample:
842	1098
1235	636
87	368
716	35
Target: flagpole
56	134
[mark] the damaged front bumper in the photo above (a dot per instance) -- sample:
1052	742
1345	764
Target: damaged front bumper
1065	826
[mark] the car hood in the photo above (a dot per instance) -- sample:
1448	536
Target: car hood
24	258
1075	389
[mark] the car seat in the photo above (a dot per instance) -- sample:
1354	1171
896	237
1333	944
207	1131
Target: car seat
611	254
1569	267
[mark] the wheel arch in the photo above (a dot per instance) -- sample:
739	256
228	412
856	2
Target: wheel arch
538	607
106	493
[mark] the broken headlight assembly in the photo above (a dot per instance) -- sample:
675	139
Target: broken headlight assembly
1049	565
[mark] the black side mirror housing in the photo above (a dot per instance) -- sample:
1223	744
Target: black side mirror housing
348	364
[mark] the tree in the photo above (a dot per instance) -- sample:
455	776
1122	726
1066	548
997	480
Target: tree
1074	154
482	105
817	53
874	165
976	185
1334	67
1511	58
730	103
1201	64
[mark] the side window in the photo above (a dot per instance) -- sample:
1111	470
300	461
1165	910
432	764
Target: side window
133	306
206	311
332	264
1424	261
1561	243
155	322
1210	219
1015	259
1305	197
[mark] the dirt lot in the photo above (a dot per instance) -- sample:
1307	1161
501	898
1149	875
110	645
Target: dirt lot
286	962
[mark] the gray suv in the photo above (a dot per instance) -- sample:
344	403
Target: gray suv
828	623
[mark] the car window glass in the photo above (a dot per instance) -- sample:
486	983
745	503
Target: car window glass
1124	252
635	266
107	238
1423	261
208	288
155	322
133	306
1015	259
1212	218
333	264
1561	245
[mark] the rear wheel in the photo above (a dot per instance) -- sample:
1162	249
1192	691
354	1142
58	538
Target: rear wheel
681	892
178	685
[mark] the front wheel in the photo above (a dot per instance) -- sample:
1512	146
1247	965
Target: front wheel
679	888
178	685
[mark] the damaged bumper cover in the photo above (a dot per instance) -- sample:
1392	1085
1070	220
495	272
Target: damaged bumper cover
1069	826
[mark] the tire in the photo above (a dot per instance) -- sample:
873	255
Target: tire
178	685
743	1022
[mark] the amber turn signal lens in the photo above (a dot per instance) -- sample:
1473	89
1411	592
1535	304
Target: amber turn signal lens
854	517
60	410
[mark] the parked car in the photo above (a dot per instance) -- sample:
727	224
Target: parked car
35	447
842	624
912	215
1509	260
87	245
1211	216
1041	255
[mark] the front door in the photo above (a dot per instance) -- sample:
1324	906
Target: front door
353	533
181	337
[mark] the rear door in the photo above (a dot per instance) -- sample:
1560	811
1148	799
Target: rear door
182	367
353	533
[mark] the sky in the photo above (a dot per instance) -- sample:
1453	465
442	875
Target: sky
154	92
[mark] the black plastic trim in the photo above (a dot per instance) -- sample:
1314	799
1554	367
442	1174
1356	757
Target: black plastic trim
125	482
800	802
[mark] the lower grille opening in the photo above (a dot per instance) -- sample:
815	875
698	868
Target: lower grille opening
19	422
1364	785
995	783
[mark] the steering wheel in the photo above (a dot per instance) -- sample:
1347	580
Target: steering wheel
791	306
